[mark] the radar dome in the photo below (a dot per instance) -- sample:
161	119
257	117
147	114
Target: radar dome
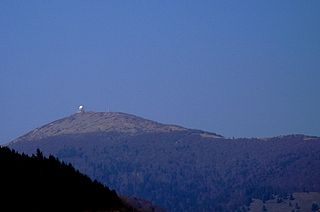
81	108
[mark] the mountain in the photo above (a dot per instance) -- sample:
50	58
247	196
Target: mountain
177	168
100	122
45	184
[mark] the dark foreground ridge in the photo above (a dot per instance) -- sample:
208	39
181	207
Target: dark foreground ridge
45	184
177	168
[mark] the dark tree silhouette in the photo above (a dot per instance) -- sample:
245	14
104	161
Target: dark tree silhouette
315	207
37	183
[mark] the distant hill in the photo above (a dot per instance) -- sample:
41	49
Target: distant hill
177	168
296	202
45	184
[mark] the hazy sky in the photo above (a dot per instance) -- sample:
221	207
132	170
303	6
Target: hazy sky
237	68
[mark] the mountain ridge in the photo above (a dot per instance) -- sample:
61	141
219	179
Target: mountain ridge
105	122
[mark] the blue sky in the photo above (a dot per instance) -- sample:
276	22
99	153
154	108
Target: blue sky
237	68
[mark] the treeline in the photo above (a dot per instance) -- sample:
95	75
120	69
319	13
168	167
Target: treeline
38	183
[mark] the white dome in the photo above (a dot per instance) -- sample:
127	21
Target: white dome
81	109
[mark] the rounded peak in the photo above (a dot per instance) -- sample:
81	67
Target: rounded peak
103	122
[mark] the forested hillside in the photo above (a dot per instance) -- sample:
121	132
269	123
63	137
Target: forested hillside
45	184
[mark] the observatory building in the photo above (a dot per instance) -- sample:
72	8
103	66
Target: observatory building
81	109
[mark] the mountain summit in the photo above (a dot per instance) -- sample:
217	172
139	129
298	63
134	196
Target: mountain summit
177	168
104	122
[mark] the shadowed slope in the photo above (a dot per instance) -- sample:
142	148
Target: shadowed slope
40	184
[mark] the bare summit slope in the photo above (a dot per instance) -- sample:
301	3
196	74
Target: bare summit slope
102	122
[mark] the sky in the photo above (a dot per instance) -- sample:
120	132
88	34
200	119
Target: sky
237	68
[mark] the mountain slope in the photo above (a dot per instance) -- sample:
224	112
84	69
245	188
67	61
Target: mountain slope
101	122
40	184
177	168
